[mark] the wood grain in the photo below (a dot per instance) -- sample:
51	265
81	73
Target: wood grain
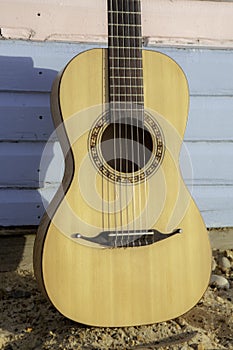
113	287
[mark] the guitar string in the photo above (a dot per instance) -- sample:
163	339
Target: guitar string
143	131
113	120
131	55
110	15
122	107
136	39
112	220
137	35
125	41
117	137
143	134
108	195
120	129
132	83
105	192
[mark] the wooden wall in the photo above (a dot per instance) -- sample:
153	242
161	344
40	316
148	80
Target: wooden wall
178	22
29	65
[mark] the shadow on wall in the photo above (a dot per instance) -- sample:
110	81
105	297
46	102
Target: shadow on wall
26	125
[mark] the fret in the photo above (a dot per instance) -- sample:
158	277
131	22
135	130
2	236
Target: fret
120	110
125	12
124	37
137	59
125	52
125	25
125	61
127	68
125	98
124	19
127	74
124	47
129	108
122	89
138	108
125	86
135	43
122	77
125	80
127	94
124	31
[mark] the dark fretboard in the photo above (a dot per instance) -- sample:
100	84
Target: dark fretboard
125	52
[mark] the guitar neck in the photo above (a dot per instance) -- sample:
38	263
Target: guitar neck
125	53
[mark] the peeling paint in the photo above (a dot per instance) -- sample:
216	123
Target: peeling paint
17	33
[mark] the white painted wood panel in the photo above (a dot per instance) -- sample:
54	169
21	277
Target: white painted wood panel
180	22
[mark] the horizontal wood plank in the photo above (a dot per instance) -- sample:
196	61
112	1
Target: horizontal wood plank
180	22
209	72
20	207
210	118
207	163
215	204
26	207
31	66
202	163
20	74
28	165
25	116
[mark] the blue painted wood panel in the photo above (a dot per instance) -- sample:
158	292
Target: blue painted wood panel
24	165
25	116
26	75
210	118
27	165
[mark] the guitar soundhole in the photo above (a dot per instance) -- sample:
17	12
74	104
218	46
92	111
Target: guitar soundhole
126	148
126	152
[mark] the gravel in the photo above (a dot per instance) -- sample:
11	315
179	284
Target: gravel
29	322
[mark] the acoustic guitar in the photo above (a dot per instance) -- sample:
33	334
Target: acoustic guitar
122	243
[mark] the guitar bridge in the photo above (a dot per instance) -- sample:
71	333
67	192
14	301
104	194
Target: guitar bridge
130	238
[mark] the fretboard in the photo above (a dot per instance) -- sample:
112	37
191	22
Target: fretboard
125	52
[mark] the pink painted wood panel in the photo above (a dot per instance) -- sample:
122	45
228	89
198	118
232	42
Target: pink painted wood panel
180	22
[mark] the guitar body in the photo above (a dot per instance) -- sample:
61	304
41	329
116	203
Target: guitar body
120	286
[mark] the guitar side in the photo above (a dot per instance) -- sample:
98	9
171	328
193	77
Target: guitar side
121	286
